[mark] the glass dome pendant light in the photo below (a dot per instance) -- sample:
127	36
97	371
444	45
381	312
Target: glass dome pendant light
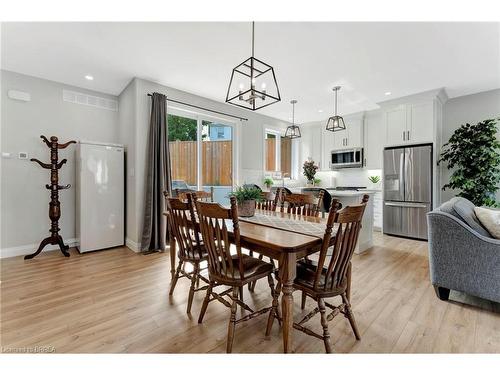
293	131
335	123
253	83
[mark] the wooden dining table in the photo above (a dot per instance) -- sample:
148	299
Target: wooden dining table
284	245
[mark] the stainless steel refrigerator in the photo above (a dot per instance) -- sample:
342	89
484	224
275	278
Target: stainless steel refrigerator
407	190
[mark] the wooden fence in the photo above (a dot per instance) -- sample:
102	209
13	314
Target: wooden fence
216	158
286	155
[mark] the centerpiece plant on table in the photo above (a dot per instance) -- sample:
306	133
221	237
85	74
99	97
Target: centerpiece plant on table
246	197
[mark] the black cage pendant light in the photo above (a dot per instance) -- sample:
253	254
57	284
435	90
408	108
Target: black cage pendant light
336	122
253	83
293	131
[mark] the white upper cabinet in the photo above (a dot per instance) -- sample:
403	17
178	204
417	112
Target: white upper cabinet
409	123
374	140
352	136
421	122
395	125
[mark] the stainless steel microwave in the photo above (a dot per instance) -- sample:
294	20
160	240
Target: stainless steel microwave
349	158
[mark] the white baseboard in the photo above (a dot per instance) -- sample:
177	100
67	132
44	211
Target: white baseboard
9	252
134	246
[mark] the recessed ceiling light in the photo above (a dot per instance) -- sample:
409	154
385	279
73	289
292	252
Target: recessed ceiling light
320	110
89	78
388	93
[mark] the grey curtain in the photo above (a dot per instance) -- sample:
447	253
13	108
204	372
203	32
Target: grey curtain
158	178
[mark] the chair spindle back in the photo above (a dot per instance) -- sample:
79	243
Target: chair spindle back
346	238
302	204
183	228
212	219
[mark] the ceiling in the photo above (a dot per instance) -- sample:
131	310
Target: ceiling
366	59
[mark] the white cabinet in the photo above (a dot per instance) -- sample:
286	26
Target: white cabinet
352	136
375	140
409	123
421	122
396	125
310	144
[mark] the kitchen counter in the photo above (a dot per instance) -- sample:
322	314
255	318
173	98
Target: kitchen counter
335	193
350	198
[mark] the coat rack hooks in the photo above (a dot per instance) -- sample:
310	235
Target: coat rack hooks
54	187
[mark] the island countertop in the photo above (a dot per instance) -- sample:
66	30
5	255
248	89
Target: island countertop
333	192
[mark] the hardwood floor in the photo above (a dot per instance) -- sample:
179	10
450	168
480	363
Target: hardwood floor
117	301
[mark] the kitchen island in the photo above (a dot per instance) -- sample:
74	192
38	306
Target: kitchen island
350	198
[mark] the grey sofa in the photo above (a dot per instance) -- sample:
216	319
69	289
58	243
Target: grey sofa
462	254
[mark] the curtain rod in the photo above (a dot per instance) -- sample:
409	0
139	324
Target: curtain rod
204	109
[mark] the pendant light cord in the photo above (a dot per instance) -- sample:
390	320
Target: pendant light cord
253	37
336	91
293	114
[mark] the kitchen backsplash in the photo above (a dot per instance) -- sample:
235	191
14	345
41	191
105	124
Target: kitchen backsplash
348	177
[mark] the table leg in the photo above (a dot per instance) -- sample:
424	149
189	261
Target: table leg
172	256
287	269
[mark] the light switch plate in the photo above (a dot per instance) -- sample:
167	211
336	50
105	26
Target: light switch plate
23	155
6	155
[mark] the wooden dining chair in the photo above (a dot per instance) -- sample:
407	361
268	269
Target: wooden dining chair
190	247
328	276
302	204
269	201
230	269
207	196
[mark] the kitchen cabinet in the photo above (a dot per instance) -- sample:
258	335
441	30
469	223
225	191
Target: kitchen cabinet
421	122
409	123
349	138
375	140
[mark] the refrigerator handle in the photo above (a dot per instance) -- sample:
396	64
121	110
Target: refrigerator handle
401	173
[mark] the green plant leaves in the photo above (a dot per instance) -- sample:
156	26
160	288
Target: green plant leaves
473	153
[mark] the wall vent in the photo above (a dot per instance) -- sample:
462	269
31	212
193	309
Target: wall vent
93	101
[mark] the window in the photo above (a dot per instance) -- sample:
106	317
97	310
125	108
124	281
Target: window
182	139
201	154
278	153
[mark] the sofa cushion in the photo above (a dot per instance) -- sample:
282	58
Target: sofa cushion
490	219
463	209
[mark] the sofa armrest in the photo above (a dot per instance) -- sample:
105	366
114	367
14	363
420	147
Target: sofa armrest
461	259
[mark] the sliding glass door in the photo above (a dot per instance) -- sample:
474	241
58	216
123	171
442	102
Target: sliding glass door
201	153
217	159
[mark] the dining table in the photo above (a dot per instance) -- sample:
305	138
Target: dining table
286	238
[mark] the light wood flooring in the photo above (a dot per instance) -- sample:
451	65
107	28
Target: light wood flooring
117	301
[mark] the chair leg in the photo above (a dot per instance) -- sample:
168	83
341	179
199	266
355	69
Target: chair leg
232	321
194	278
303	303
350	316
176	277
272	312
241	295
324	324
205	303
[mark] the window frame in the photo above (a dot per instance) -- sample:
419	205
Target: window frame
200	117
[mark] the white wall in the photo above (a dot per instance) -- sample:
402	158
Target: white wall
467	109
250	135
24	198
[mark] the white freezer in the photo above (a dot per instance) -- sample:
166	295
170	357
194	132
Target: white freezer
100	196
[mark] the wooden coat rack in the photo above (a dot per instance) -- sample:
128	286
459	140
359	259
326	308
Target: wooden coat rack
54	187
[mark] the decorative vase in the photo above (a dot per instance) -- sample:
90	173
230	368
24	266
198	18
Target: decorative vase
310	183
246	208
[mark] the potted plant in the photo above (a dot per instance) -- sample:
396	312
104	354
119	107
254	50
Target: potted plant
246	198
268	181
473	153
310	170
375	181
316	181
